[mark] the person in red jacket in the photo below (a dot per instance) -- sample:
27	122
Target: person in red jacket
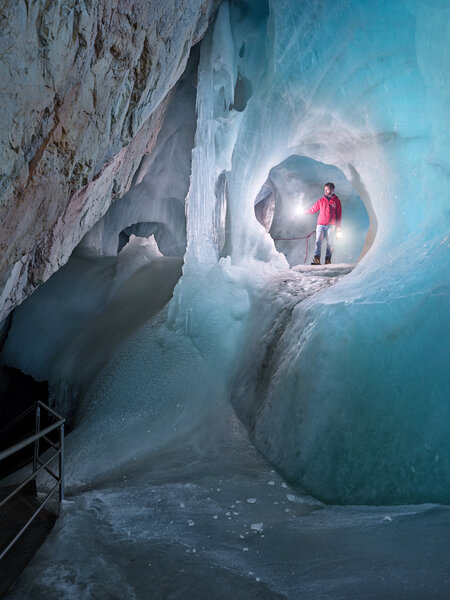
328	222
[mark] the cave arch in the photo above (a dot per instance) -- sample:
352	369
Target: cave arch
167	242
298	181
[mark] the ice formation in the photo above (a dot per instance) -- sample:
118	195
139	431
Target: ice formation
355	409
337	375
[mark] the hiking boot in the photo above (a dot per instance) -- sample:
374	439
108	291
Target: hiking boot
316	260
328	260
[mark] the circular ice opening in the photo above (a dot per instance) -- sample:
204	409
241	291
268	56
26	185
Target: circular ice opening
167	242
297	183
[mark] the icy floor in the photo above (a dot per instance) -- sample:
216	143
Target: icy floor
206	517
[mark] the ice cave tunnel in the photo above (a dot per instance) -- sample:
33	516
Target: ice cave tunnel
288	188
241	423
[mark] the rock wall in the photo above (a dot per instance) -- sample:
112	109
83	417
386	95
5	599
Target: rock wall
84	86
155	203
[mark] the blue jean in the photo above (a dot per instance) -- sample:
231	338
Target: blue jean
327	232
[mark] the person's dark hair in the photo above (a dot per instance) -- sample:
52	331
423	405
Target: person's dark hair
329	184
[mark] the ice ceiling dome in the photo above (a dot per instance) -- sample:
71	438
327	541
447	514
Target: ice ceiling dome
343	391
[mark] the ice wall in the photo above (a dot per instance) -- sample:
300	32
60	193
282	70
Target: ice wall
357	409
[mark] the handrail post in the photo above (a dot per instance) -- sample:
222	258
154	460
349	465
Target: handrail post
36	443
61	464
38	466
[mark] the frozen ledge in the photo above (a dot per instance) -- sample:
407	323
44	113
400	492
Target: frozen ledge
325	270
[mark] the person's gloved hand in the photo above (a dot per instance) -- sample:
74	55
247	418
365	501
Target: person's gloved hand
338	235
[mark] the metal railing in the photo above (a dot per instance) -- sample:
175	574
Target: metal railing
39	466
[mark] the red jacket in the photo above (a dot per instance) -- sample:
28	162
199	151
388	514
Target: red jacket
330	211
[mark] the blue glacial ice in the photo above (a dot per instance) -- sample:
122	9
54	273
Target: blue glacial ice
356	408
338	374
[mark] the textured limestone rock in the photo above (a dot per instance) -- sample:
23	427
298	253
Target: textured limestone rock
84	85
155	204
